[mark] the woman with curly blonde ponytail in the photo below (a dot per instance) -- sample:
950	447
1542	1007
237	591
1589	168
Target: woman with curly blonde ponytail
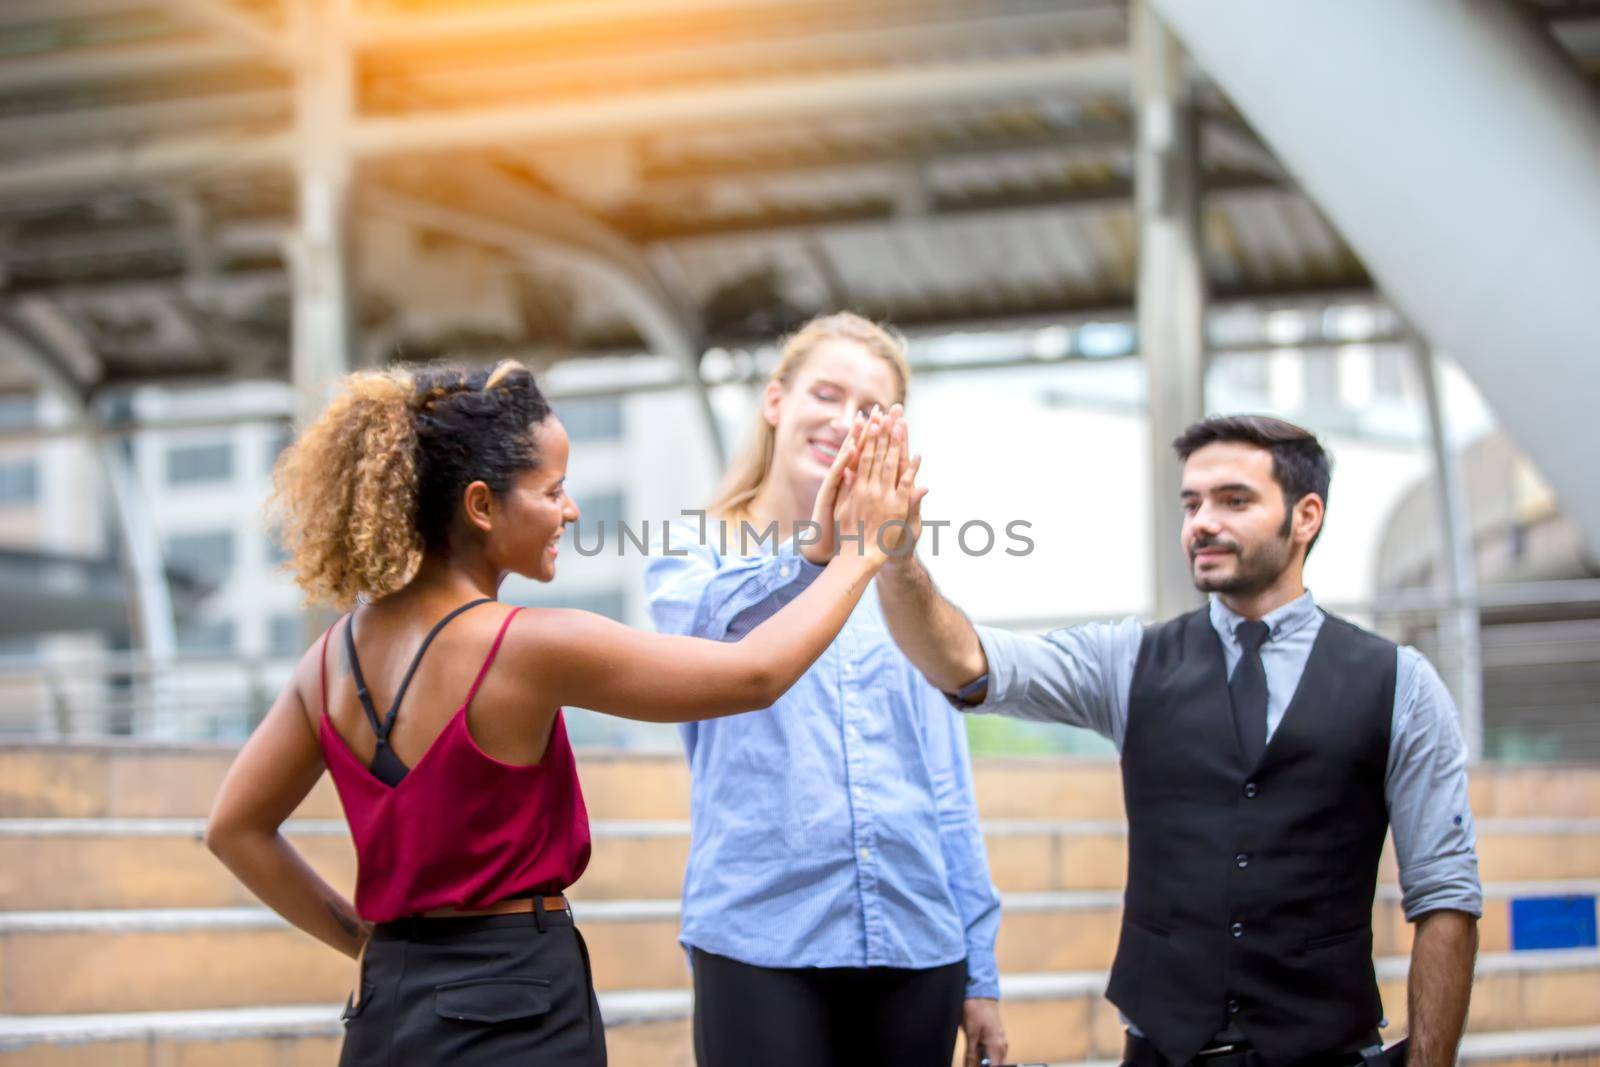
407	502
346	493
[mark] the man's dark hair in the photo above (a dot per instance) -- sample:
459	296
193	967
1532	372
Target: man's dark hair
1299	463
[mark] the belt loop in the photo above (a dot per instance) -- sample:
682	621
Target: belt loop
538	911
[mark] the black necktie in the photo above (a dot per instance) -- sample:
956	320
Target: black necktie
1248	688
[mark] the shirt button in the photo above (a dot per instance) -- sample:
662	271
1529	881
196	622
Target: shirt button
783	571
865	854
847	670
1251	789
1242	860
1233	1007
1237	929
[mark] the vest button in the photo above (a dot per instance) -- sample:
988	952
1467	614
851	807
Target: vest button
1242	860
1233	1007
1251	789
1237	929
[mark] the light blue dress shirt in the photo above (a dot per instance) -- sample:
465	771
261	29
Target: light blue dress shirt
837	828
1081	675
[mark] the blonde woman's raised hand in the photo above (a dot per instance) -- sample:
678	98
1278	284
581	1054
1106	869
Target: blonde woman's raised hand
823	548
872	508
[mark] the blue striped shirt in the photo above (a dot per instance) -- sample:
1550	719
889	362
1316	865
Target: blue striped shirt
837	828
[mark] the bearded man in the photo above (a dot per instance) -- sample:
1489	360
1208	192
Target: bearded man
1267	747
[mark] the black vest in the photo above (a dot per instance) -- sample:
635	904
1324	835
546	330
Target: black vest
1249	898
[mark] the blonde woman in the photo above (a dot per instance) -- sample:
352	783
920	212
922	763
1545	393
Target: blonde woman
409	501
837	907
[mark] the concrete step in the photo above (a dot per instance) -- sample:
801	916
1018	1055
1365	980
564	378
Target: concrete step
1059	1017
1575	1046
135	780
60	864
1572	1046
142	780
168	959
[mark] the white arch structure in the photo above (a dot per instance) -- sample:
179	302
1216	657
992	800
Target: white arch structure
1455	148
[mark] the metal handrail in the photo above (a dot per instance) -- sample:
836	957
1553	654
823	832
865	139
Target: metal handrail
222	696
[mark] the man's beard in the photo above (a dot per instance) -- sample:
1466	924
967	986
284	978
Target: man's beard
1257	569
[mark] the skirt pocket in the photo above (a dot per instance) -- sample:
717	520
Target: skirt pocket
356	1003
491	1001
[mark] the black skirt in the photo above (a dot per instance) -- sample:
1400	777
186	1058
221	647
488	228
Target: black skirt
502	989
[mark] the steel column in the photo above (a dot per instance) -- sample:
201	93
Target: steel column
318	251
1170	298
1459	624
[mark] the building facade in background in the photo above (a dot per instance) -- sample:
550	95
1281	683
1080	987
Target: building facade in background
1071	469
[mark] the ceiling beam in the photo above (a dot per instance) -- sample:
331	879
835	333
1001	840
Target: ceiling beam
691	171
122	168
939	322
408	28
124	122
868	214
513	66
226	286
261	237
106	242
223	15
961	83
73	67
956	83
27	12
914	326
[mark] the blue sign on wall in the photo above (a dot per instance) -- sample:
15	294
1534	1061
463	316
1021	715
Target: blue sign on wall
1553	922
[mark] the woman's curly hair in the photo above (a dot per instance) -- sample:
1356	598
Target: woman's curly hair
372	485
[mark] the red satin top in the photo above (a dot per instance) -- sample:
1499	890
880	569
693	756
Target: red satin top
461	829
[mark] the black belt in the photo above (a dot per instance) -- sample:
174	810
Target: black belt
1137	1051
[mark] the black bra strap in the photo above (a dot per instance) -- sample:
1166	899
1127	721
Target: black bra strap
382	729
360	679
416	661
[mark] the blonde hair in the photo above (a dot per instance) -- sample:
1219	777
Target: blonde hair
371	485
748	471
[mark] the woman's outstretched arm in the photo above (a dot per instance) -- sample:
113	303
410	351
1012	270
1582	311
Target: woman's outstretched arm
585	660
592	662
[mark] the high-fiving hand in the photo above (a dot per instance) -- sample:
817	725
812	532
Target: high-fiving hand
844	464
910	466
870	493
